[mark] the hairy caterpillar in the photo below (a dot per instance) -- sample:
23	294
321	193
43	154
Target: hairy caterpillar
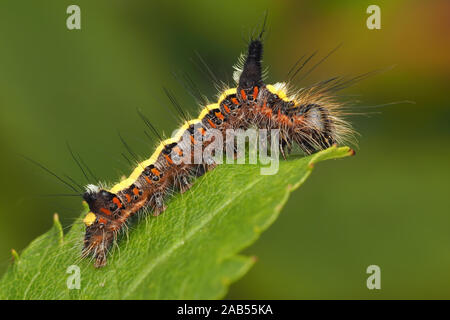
310	118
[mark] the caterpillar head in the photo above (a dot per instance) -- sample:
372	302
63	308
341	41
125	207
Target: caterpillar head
100	229
99	200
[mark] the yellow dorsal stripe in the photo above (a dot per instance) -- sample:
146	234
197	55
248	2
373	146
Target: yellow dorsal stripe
280	92
89	219
225	94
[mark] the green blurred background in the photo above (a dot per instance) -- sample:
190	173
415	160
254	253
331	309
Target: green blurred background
387	206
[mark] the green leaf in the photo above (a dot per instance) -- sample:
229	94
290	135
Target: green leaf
188	252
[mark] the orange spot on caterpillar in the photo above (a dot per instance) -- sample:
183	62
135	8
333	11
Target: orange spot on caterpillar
265	110
219	115
234	100
128	197
117	201
202	131
227	110
211	123
148	180
243	95
102	220
168	159
283	118
155	172
105	211
255	92
178	150
193	140
136	191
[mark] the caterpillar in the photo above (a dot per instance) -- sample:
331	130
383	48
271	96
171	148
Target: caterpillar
310	118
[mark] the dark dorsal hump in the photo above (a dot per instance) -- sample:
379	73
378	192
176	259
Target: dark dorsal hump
251	74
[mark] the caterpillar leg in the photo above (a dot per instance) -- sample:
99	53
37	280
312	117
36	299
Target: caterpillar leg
159	205
184	183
